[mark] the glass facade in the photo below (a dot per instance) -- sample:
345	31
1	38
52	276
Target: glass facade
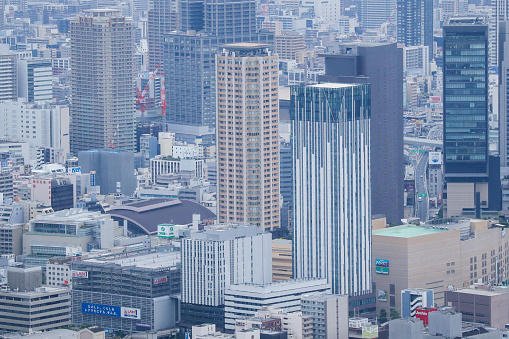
465	100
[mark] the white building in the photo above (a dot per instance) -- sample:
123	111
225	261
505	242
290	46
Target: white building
162	165
244	300
58	273
416	60
43	125
216	258
329	313
35	80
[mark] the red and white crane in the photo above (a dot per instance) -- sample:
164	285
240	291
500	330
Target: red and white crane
140	96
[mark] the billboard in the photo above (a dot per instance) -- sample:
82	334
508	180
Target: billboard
80	274
166	231
382	262
112	311
435	158
382	295
92	178
370	331
74	169
161	280
423	314
382	270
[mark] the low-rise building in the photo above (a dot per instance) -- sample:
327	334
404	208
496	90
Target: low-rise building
437	257
45	308
11	239
244	300
481	305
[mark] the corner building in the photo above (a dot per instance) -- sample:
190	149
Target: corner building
248	135
332	216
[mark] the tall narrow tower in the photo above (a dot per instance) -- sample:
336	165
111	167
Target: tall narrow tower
102	88
247	135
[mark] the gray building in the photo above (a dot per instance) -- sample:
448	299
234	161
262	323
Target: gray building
445	322
163	17
380	65
24	279
406	328
11	237
35	80
102	88
374	13
128	293
8	75
190	74
415	23
44	309
332	196
329	313
114	170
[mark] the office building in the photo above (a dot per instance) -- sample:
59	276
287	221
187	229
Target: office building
35	80
250	193
499	15
406	328
415	23
127	292
40	125
55	192
289	45
6	185
446	323
380	65
204	281
374	13
481	305
436	175
190	75
10	239
103	96
58	272
20	278
413	299
329	313
281	260
295	324
469	171
113	170
244	300
331	147
148	148
163	17
45	308
457	254
8	76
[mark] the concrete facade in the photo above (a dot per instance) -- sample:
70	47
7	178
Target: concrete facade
329	313
436	257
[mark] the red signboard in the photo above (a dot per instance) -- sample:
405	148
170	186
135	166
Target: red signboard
423	313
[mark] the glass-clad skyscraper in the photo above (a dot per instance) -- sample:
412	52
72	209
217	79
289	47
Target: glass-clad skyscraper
466	99
332	217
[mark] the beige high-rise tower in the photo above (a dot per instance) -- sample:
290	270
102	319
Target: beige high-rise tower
247	135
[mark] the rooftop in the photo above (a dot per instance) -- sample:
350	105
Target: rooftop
332	85
151	260
478	291
408	231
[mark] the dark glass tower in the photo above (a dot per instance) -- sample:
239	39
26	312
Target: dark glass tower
466	100
415	23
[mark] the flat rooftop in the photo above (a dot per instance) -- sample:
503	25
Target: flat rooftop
332	85
476	291
151	260
408	231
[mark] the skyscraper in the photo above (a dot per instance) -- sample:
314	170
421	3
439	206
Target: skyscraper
415	23
380	65
332	217
190	82
500	13
247	135
102	59
163	17
465	97
8	76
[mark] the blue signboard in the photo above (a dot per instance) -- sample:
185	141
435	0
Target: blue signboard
382	262
113	311
92	178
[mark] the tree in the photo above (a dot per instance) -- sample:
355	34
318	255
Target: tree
383	316
394	314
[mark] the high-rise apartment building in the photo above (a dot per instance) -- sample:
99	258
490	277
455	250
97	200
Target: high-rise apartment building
470	185
248	135
288	45
163	17
380	65
415	23
216	258
332	195
103	96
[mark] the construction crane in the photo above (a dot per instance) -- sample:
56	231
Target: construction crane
140	96
385	24
115	135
